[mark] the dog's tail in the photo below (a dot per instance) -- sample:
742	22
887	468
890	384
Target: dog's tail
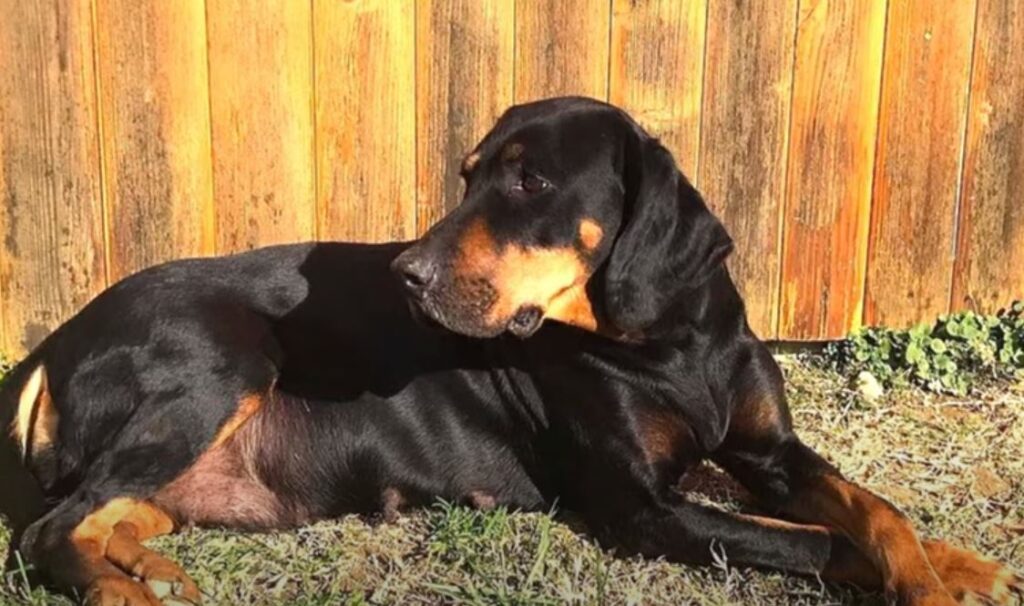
27	425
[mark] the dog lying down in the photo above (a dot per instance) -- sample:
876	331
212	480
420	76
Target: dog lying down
569	332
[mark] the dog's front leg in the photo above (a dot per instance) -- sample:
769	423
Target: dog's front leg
763	452
694	534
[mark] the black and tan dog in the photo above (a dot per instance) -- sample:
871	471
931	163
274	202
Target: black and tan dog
285	385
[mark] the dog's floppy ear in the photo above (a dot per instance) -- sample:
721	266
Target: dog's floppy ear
669	241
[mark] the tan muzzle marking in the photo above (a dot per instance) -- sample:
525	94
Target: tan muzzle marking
553	279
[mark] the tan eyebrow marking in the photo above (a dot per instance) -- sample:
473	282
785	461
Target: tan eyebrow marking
512	152
590	234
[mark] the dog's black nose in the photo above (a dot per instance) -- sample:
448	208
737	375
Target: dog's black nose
417	272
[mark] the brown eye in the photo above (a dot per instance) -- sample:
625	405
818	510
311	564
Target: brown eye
534	184
531	184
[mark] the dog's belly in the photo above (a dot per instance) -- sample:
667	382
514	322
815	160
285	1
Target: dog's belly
222	490
295	462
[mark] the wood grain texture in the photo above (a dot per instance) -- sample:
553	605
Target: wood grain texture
155	125
51	222
261	111
464	76
837	77
920	142
657	70
744	137
365	119
989	268
561	48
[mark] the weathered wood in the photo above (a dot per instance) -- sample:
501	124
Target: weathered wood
920	134
261	110
365	119
989	268
155	126
657	70
745	125
51	214
464	65
561	49
837	78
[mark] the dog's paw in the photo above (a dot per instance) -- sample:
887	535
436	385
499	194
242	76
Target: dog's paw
167	581
973	579
119	591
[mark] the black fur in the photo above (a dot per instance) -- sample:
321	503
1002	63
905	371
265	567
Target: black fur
364	397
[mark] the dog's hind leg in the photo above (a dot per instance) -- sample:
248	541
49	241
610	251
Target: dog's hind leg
101	555
124	549
91	542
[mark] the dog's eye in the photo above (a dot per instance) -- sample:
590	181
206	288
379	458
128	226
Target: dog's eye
530	184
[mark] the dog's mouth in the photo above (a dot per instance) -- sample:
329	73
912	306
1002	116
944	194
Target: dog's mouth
526	321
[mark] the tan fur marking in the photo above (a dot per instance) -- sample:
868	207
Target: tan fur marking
111	535
223	487
481	500
662	435
843	566
35	424
392	502
111	590
470	162
247	407
590	234
512	152
879	530
757	413
965	573
553	279
125	550
93	533
573	307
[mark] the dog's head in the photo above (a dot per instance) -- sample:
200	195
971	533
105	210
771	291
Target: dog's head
572	213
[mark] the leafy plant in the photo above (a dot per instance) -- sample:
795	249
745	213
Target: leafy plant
950	355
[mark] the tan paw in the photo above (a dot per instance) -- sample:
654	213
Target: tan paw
974	579
119	591
166	580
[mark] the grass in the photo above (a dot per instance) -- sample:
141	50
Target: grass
954	464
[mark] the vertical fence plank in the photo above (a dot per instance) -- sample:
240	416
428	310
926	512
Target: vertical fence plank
745	125
365	118
464	82
155	123
989	268
831	158
51	223
657	70
561	49
261	111
920	133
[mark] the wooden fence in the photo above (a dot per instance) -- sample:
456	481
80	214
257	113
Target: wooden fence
867	155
